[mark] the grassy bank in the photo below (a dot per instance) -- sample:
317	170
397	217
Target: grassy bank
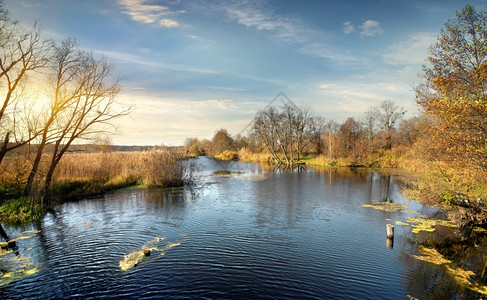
383	159
85	174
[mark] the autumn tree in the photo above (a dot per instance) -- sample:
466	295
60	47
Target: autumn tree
349	137
453	95
193	147
317	134
222	141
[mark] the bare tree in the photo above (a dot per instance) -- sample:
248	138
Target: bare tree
83	104
302	128
90	113
370	120
318	134
389	115
285	130
22	51
332	128
265	127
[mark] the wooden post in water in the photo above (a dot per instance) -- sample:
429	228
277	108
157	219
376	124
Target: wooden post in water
390	236
390	231
390	243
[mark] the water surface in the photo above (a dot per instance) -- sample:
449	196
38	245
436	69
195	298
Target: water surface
250	232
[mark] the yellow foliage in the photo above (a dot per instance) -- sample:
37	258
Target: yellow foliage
246	155
463	277
227	155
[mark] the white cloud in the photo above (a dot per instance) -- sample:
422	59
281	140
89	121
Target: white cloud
256	15
326	51
158	119
348	27
143	11
327	86
370	28
353	96
412	51
220	104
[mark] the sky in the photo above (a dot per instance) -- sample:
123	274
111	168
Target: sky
192	67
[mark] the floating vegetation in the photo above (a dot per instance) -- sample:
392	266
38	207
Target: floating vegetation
239	174
461	276
15	266
431	255
225	173
31	231
133	258
9	277
412	212
385	206
401	223
423	224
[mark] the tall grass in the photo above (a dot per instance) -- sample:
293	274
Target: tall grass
80	174
246	155
151	168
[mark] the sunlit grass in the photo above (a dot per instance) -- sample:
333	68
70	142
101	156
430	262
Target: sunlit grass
21	210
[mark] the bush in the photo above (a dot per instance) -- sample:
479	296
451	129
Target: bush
228	155
165	169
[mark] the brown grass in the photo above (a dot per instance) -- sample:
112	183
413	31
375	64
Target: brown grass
97	172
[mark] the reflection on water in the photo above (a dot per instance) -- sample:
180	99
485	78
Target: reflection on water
243	230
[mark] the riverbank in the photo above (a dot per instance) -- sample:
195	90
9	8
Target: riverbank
382	159
459	193
87	174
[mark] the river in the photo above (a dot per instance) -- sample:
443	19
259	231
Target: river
242	231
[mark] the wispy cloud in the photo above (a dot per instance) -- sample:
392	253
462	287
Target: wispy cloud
30	4
348	27
152	63
370	28
256	14
143	11
412	51
328	52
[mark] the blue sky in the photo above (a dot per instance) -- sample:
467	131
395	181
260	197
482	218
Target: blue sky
192	67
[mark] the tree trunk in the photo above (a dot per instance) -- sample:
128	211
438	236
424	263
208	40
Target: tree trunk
4	149
33	172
